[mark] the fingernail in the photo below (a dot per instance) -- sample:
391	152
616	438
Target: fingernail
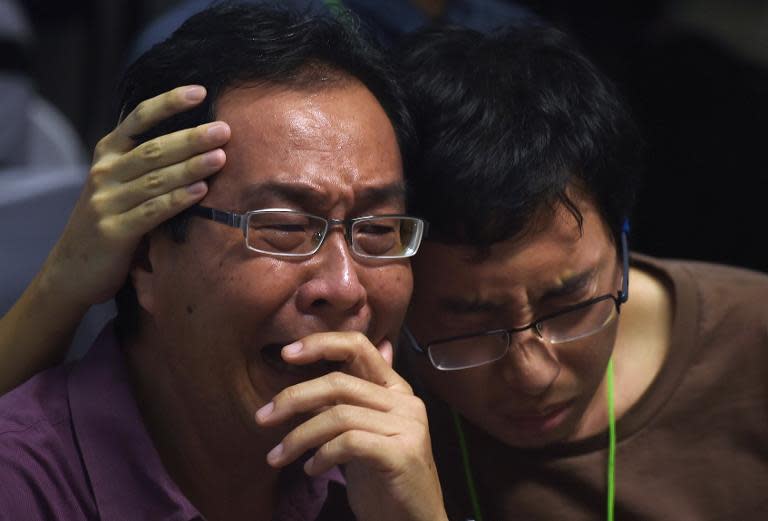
197	188
265	411
308	464
194	93
212	158
217	131
293	349
274	455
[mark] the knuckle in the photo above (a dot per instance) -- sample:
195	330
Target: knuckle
150	151
153	182
107	228
406	388
342	414
99	170
151	208
338	380
359	338
287	395
102	146
99	203
349	440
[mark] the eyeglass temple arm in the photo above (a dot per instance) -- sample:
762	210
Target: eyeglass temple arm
624	295
230	219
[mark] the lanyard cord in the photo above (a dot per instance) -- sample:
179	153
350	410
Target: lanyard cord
610	468
467	467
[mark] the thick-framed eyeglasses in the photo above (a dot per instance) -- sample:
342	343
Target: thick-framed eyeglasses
283	232
565	325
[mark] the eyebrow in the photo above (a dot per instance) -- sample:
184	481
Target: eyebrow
307	196
570	285
461	305
369	197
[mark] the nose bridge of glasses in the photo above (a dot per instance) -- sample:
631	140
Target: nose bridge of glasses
529	361
330	224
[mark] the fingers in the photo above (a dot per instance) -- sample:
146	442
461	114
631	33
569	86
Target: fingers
360	358
329	424
344	403
368	397
150	213
126	196
149	113
331	389
356	445
165	150
132	188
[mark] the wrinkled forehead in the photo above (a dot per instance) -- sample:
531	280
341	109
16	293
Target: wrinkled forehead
555	250
335	141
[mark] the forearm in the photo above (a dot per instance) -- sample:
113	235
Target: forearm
37	330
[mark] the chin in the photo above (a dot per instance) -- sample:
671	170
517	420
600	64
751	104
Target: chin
530	434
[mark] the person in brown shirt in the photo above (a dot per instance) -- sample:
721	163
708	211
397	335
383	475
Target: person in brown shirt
566	378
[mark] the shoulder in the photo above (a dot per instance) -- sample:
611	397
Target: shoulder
42	476
41	399
722	293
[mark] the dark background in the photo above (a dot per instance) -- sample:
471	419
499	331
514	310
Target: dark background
698	89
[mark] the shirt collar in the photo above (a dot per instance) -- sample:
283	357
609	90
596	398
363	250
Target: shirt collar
123	466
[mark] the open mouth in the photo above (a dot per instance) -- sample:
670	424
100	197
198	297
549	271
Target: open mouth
270	354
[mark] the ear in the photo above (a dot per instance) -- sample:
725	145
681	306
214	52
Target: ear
142	276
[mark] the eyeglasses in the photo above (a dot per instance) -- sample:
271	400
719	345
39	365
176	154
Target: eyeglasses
566	325
289	233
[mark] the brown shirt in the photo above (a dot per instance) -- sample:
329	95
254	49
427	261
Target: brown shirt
694	447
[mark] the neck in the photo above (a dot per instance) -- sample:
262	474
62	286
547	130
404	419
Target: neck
217	463
641	347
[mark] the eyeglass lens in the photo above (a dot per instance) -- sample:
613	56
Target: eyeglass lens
469	352
579	323
482	349
296	233
284	232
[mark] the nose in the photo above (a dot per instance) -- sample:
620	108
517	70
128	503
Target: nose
529	366
333	289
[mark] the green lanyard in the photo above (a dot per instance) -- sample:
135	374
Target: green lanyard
610	471
610	468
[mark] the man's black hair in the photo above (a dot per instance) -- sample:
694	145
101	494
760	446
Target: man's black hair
231	45
507	123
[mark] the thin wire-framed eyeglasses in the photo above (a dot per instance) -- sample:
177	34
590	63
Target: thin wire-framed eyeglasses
284	232
565	325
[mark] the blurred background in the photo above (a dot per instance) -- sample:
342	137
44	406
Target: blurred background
694	72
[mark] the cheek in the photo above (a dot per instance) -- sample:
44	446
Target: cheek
389	291
224	301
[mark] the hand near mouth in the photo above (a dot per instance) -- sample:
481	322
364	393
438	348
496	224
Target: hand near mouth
364	417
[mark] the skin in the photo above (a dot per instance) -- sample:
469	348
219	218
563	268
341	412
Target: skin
129	191
210	307
539	393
